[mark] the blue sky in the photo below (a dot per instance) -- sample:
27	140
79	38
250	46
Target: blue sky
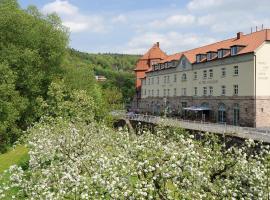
132	26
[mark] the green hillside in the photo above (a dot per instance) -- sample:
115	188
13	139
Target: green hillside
117	68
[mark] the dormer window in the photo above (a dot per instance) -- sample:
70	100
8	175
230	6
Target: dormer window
183	63
220	53
234	50
200	57
211	55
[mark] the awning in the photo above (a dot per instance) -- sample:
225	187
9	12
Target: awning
197	108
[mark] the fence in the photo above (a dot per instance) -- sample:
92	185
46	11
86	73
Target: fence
242	132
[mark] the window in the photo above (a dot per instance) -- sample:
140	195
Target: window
183	62
204	91
210	90
175	78
157	80
195	91
223	72
158	93
184	91
235	89
149	92
210	55
184	77
234	50
164	79
198	58
174	91
210	73
195	75
221	113
220	53
148	81
144	92
204	74
152	81
164	92
223	90
236	72
168	79
152	93
168	92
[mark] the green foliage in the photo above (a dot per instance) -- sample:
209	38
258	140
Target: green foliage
72	105
32	48
11	107
117	68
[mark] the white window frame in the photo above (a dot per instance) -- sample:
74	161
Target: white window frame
195	91
211	90
211	73
195	75
223	90
236	70
235	89
204	74
223	72
204	91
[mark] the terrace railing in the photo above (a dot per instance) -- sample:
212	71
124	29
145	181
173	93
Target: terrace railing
237	131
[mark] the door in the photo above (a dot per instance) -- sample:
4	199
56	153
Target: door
236	115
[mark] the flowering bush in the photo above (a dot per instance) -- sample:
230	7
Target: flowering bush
90	161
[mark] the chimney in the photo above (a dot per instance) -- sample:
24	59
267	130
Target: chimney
239	35
157	44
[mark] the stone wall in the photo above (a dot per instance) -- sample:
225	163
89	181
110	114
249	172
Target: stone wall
263	111
246	105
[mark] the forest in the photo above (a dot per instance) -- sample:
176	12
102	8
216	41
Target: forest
56	135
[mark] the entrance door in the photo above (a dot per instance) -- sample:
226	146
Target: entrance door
236	115
221	113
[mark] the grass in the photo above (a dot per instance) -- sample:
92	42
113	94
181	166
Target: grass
17	156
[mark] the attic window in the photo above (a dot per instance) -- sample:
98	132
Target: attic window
211	55
220	53
234	50
183	62
200	57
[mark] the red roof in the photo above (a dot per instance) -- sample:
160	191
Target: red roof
154	53
250	42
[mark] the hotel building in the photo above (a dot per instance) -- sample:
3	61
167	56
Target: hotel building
226	82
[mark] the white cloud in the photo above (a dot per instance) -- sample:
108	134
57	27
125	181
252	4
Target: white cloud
60	7
203	4
73	19
174	20
171	42
119	19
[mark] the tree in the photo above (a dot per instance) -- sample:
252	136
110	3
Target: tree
11	107
33	46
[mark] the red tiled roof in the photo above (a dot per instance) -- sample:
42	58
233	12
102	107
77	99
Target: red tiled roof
250	42
154	53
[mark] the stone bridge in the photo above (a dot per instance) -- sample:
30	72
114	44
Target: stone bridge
262	135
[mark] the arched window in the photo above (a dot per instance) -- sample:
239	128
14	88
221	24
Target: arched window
236	114
222	113
184	77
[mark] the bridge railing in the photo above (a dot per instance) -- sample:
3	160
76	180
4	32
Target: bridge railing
247	132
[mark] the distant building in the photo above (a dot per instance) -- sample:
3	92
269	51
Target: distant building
226	82
100	78
144	64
